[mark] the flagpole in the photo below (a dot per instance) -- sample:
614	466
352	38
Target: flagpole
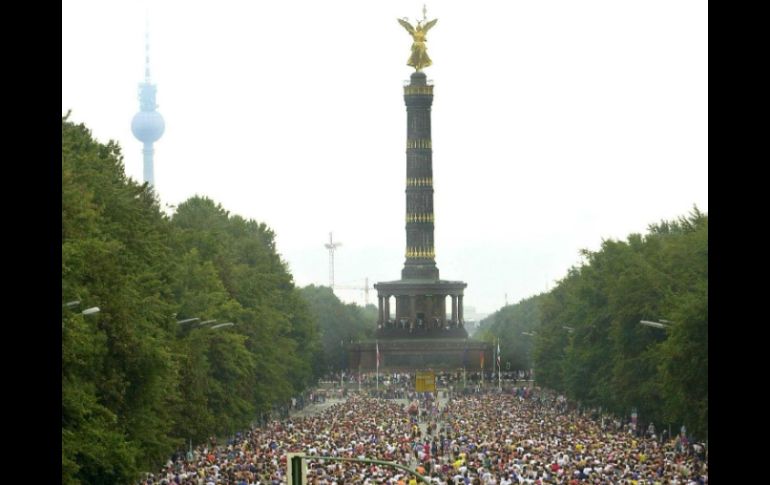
378	366
494	352
465	364
499	375
494	356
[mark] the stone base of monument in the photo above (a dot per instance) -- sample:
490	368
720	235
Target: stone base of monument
421	353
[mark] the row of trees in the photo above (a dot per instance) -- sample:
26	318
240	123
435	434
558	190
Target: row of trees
588	341
136	383
514	325
340	323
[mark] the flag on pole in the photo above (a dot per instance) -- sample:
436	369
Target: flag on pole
378	355
482	367
494	359
499	374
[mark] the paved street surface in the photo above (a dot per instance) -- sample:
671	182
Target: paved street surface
316	408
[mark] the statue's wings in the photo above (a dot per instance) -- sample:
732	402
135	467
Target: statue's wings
406	25
428	26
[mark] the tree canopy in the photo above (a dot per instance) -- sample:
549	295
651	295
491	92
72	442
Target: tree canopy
136	383
587	336
338	324
514	326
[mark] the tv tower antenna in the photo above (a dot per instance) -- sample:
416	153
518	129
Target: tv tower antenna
332	246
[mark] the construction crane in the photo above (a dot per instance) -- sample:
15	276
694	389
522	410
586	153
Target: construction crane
332	246
365	289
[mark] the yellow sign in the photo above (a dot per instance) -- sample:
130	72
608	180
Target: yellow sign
425	381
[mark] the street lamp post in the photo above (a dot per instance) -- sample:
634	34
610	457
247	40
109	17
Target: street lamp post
75	303
187	320
191	324
187	324
663	324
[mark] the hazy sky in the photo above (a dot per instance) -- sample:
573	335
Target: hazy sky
556	124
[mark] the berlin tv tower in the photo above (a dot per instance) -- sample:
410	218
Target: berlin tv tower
148	124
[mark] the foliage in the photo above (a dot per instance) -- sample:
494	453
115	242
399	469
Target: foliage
513	325
136	384
588	341
609	359
338	324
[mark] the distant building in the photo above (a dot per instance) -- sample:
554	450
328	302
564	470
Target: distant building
148	125
473	319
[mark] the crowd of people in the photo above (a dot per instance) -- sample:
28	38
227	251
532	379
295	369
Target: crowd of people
519	437
406	379
420	324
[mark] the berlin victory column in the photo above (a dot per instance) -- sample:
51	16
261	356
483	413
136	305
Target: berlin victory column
421	333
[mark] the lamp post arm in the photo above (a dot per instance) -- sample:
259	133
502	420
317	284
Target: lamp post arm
654	324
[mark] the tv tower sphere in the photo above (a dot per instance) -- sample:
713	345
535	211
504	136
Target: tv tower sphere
148	126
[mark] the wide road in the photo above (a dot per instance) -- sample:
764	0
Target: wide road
316	408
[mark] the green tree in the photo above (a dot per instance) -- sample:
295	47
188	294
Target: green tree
514	325
136	384
607	358
338	324
254	288
113	256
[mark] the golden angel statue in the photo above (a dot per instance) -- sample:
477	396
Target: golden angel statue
419	58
